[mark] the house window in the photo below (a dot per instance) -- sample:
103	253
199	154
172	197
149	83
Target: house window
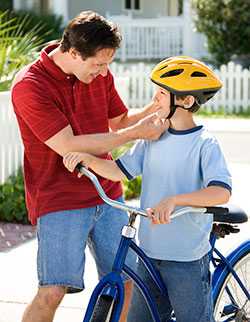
132	5
137	4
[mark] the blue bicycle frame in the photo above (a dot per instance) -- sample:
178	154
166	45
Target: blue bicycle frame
112	284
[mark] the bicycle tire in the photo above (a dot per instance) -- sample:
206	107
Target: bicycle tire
242	310
103	309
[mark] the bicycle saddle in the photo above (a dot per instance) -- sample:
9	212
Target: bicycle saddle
228	214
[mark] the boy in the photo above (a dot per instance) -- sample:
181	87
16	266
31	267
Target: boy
185	167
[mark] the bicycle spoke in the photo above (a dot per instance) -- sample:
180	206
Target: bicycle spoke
232	303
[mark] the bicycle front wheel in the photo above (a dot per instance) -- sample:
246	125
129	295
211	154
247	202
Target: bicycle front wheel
232	303
103	309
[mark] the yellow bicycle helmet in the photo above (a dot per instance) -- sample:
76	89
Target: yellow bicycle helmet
183	75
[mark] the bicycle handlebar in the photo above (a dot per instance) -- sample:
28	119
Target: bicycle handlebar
120	205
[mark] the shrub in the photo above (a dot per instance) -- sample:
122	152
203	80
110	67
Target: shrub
51	25
131	188
12	200
17	48
226	25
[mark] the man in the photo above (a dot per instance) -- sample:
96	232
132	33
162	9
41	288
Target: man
66	101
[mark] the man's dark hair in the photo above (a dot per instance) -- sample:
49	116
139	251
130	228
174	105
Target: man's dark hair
89	32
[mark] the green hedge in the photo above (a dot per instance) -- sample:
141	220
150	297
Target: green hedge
12	200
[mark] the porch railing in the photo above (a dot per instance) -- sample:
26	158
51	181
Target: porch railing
151	39
157	38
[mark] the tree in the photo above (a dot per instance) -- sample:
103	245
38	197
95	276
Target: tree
226	23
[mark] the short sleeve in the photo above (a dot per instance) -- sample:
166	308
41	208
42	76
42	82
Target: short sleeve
116	105
37	109
214	167
131	163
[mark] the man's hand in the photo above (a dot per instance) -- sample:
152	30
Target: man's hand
160	214
150	128
71	159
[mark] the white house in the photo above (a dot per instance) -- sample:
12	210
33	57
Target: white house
150	29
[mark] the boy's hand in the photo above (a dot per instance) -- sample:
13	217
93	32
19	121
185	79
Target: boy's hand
71	159
160	214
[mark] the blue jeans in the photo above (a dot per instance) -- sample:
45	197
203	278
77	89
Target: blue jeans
62	239
189	292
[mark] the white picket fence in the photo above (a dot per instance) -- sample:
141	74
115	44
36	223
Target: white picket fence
11	149
136	89
233	97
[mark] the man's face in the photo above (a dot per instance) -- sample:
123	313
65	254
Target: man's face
162	98
87	70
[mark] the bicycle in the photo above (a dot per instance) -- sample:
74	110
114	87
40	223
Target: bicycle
230	279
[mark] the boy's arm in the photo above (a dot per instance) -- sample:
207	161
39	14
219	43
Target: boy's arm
105	168
210	196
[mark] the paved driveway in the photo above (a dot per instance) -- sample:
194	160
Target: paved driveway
18	273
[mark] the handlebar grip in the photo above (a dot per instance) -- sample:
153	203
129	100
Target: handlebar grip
79	167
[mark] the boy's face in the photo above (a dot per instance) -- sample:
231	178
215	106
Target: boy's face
162	98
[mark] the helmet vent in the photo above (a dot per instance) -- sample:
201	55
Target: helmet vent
198	74
162	67
172	73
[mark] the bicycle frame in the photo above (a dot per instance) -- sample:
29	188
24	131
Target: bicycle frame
115	284
112	283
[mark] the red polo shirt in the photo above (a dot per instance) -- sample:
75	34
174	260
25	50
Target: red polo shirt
45	101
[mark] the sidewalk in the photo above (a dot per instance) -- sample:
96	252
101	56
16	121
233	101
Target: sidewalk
18	281
225	125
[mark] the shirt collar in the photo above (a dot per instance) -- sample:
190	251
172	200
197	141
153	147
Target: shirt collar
183	132
50	66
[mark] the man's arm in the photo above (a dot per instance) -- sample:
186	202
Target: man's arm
65	141
131	117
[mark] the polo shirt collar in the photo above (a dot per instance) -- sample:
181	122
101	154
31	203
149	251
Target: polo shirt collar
50	66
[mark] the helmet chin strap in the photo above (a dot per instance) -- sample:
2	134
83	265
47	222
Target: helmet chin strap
173	106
